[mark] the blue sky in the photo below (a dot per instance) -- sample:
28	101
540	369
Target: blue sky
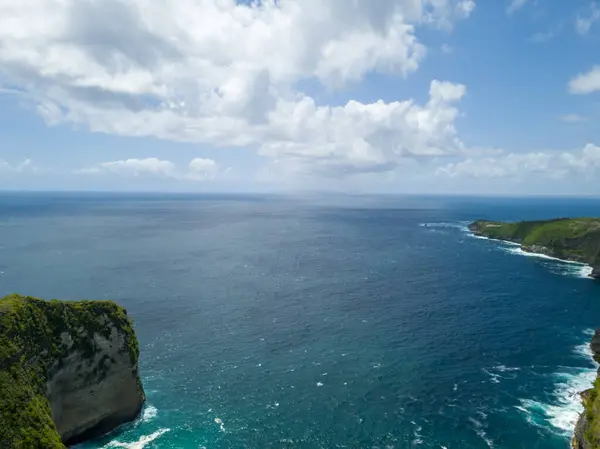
404	96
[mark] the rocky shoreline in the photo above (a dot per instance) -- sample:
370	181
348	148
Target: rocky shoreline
587	429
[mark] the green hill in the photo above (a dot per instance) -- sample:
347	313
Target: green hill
574	239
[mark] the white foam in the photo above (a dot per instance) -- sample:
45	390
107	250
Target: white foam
139	444
446	224
570	267
219	421
584	350
517	250
585	272
481	432
504	369
494	378
485	438
418	438
482	237
565	407
149	413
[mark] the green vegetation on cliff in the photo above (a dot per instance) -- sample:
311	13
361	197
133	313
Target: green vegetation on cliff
576	239
35	338
591	404
587	430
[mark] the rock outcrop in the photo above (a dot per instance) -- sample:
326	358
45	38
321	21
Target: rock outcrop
573	239
587	430
68	371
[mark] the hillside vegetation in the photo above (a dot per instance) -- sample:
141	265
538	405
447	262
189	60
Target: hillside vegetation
40	339
575	239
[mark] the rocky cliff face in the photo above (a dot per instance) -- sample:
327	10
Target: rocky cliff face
587	430
68	371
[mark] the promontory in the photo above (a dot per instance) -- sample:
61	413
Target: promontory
571	239
68	371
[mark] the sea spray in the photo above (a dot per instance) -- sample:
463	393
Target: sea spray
139	444
563	411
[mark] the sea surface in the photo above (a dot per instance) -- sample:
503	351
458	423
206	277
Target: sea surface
323	322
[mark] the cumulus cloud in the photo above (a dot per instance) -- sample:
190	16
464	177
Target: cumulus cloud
201	169
226	73
522	165
586	83
198	169
361	137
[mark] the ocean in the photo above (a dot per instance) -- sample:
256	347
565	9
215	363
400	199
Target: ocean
321	322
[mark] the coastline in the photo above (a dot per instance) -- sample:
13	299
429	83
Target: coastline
586	427
535	250
586	434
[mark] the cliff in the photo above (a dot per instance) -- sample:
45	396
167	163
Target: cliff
587	430
68	371
574	239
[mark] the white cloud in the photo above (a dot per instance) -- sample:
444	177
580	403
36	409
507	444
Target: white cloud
573	118
500	167
587	161
361	137
224	73
465	8
583	24
198	169
25	166
523	165
586	83
133	167
515	5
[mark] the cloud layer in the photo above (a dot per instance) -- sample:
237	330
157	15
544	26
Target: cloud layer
198	169
546	164
228	74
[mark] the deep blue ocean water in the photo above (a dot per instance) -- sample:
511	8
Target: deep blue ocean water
357	322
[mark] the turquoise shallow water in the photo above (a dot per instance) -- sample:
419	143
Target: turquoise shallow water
352	322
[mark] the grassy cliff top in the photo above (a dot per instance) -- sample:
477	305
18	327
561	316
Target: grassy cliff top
539	232
31	345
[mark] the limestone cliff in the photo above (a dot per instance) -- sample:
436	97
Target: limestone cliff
68	371
587	430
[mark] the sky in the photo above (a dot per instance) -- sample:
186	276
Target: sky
358	96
